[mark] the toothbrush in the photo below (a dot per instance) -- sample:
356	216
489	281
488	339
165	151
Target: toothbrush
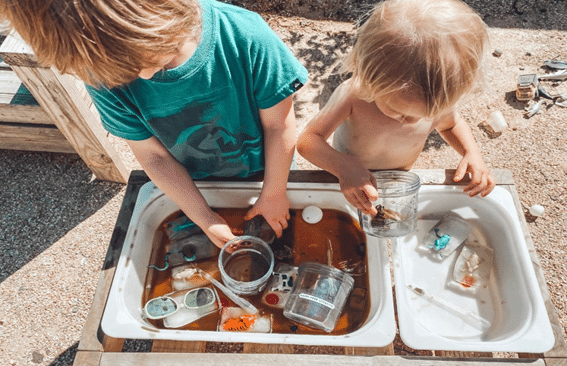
468	316
234	297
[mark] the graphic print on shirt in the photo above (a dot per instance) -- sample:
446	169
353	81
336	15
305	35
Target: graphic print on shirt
205	141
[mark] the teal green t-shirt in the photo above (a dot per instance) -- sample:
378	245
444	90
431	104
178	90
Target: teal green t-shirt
205	112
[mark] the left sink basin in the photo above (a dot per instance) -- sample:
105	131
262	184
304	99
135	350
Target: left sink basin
122	315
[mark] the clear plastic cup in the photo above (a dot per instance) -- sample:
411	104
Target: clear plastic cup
318	296
246	264
396	205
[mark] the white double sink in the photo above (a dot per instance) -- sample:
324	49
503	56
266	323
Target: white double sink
512	302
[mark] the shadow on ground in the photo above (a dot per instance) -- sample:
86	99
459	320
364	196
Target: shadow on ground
524	14
43	196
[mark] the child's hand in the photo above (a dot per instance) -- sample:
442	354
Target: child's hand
482	180
359	187
275	210
218	231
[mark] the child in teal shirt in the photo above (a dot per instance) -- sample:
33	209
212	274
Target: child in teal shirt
197	89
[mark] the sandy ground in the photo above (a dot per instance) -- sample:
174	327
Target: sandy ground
56	219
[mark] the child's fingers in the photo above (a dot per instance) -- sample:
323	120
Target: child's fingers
251	213
278	226
461	171
479	182
370	192
374	183
491	184
360	201
366	205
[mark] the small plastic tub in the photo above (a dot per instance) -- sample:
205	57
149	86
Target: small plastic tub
246	264
318	296
396	205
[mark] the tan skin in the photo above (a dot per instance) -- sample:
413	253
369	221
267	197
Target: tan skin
173	179
387	134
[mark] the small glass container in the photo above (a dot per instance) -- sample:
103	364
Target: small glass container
246	264
396	205
318	296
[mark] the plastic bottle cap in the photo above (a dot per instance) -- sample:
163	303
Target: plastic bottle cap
536	210
496	121
312	214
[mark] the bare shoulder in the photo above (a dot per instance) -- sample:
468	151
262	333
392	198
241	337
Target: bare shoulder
347	90
342	97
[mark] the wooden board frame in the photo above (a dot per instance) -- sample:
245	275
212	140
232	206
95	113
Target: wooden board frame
66	103
95	348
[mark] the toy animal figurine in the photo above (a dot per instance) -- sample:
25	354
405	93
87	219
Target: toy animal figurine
442	242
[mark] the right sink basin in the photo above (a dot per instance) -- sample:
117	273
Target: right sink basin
438	316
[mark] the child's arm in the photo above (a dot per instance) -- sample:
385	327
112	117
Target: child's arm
174	180
279	127
458	134
357	183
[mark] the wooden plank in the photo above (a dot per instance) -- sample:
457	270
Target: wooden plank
163	345
267	348
556	361
460	354
370	351
445	176
9	85
83	358
559	348
427	176
247	359
16	52
110	344
61	100
91	338
33	138
18	113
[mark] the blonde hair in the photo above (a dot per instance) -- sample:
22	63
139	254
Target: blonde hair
103	42
436	46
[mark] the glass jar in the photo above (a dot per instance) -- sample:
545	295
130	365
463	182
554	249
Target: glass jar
396	204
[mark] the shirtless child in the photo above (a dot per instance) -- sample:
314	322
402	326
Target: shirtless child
412	62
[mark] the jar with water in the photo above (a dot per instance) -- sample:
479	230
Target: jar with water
396	205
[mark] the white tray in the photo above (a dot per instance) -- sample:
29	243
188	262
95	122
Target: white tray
122	314
512	302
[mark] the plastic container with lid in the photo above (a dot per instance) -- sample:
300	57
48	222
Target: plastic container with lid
396	204
318	296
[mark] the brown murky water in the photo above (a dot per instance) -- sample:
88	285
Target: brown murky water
337	240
